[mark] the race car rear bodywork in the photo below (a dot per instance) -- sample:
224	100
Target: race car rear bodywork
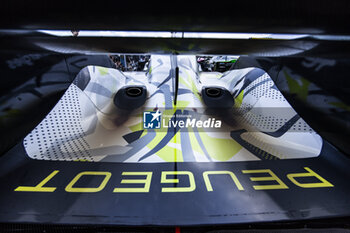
257	124
194	148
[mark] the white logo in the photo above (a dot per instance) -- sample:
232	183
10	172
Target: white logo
152	120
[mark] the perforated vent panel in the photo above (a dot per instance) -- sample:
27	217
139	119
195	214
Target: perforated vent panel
60	135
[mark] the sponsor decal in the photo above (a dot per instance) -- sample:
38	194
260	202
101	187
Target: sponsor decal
141	181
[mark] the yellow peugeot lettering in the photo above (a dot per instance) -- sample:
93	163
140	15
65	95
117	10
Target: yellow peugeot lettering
70	188
165	180
208	184
146	182
272	177
323	182
39	187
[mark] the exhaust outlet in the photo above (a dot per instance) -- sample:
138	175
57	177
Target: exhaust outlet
213	92
130	98
217	97
133	91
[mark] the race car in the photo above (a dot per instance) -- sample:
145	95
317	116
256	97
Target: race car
102	117
172	146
